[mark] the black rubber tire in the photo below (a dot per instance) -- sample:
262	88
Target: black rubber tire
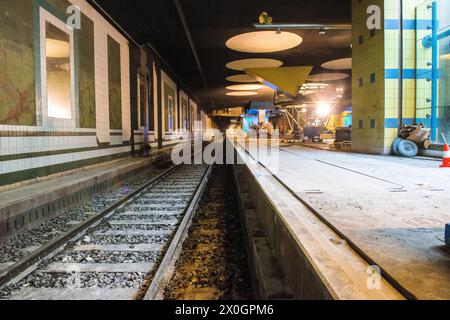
395	145
407	149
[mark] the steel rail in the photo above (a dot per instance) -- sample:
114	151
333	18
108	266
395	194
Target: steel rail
166	268
27	264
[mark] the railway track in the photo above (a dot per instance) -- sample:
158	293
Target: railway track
31	240
211	263
115	254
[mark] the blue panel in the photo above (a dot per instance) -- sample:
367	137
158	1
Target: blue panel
426	122
391	24
424	24
424	74
393	74
256	112
392	123
408	24
408	121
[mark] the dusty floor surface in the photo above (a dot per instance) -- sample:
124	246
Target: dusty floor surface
395	209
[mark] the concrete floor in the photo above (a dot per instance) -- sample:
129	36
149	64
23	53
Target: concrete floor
395	209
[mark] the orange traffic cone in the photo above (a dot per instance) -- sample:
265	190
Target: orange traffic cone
446	159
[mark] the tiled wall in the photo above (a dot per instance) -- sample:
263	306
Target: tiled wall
391	49
380	55
17	93
86	73
423	58
444	71
416	88
168	87
33	145
184	111
368	96
193	114
169	91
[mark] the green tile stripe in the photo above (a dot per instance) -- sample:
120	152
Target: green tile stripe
29	155
6	134
18	176
12	134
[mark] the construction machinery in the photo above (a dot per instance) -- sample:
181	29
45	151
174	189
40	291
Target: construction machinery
410	139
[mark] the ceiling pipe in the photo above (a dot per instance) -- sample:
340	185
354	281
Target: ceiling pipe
192	45
303	26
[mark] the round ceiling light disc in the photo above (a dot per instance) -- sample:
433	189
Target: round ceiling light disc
245	87
339	64
328	76
242	78
241	65
264	42
242	94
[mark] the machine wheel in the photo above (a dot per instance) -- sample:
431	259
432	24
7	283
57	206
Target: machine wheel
395	145
407	149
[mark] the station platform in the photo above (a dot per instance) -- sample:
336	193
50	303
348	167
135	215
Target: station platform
392	212
25	205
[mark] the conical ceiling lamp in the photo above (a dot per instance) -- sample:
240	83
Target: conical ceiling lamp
287	80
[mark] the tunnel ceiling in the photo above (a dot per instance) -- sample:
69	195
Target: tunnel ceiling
213	22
